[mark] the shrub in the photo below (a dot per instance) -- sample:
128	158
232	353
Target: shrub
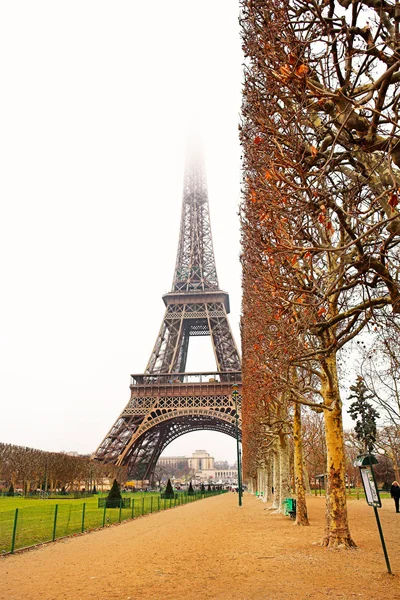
114	496
190	490
169	491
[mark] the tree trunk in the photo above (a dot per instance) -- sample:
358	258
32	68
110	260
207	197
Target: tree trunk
270	467
301	506
285	487
276	478
265	482
337	528
260	480
282	472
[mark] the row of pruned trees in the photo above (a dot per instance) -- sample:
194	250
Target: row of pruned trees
264	475
30	469
320	224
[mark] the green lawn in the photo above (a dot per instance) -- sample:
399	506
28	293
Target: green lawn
13	502
360	493
40	521
356	493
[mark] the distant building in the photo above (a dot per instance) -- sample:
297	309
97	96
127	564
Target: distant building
203	466
201	461
226	476
173	461
222	464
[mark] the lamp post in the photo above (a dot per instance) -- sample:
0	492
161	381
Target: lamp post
235	395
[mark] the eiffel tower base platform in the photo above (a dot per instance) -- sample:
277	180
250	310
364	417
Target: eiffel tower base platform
164	407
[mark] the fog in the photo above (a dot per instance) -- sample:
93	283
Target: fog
97	101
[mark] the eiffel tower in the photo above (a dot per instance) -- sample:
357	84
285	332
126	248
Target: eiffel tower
166	402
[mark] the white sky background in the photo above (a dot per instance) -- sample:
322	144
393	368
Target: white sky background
96	101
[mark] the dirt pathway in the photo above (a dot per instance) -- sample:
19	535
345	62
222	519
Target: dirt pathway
212	549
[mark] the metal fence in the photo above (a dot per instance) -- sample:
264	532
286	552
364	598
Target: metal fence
32	525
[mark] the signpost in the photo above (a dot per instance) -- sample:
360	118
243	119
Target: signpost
371	492
365	462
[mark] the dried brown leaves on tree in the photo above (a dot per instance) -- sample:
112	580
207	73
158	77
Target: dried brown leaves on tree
320	217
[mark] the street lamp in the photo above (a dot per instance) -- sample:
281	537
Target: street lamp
235	394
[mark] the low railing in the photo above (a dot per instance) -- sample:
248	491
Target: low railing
179	378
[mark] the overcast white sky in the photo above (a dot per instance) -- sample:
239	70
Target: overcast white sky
96	101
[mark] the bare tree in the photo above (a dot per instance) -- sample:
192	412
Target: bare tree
29	468
320	223
380	369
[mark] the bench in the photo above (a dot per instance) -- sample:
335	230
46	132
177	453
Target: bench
289	507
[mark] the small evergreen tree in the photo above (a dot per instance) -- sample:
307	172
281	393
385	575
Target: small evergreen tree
94	490
114	496
366	414
169	491
10	490
190	490
209	487
203	489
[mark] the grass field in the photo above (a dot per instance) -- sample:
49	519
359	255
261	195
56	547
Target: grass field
355	494
40	521
13	502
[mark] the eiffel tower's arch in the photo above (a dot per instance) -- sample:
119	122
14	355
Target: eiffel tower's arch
164	408
165	401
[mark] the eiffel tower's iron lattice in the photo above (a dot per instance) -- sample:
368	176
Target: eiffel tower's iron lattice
167	402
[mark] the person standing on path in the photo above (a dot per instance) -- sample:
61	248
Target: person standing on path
395	493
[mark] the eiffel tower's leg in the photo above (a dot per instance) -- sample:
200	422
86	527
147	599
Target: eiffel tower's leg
118	437
144	454
166	351
224	346
183	352
182	320
171	348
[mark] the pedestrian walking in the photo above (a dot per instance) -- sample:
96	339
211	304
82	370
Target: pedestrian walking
395	493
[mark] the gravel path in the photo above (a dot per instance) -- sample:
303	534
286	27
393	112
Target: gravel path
212	549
